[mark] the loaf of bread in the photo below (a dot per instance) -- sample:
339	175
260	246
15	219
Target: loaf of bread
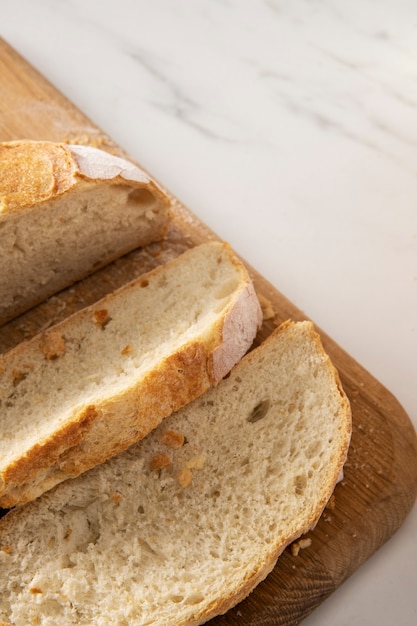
66	211
90	386
182	525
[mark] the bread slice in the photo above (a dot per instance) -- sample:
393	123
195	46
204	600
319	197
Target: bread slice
182	526
65	211
90	386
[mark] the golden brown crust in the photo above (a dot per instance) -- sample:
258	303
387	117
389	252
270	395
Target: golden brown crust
36	171
45	453
33	172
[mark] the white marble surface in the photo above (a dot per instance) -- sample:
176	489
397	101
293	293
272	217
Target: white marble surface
290	128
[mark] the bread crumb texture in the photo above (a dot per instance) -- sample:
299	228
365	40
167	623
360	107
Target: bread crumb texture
185	540
301	544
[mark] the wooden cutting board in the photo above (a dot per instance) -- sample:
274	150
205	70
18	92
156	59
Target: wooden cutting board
380	482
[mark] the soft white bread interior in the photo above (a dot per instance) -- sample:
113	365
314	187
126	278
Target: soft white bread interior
182	525
66	211
90	386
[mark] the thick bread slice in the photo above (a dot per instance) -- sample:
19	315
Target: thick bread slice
184	524
65	211
89	387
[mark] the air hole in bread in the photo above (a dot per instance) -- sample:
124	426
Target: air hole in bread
141	196
195	598
300	483
176	599
259	411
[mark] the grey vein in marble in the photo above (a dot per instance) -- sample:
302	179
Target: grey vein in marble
177	103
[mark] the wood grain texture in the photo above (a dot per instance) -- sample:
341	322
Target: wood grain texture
380	481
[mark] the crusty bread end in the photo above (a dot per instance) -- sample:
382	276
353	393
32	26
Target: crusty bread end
66	211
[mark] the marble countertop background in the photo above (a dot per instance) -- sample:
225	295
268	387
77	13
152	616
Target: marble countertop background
289	128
